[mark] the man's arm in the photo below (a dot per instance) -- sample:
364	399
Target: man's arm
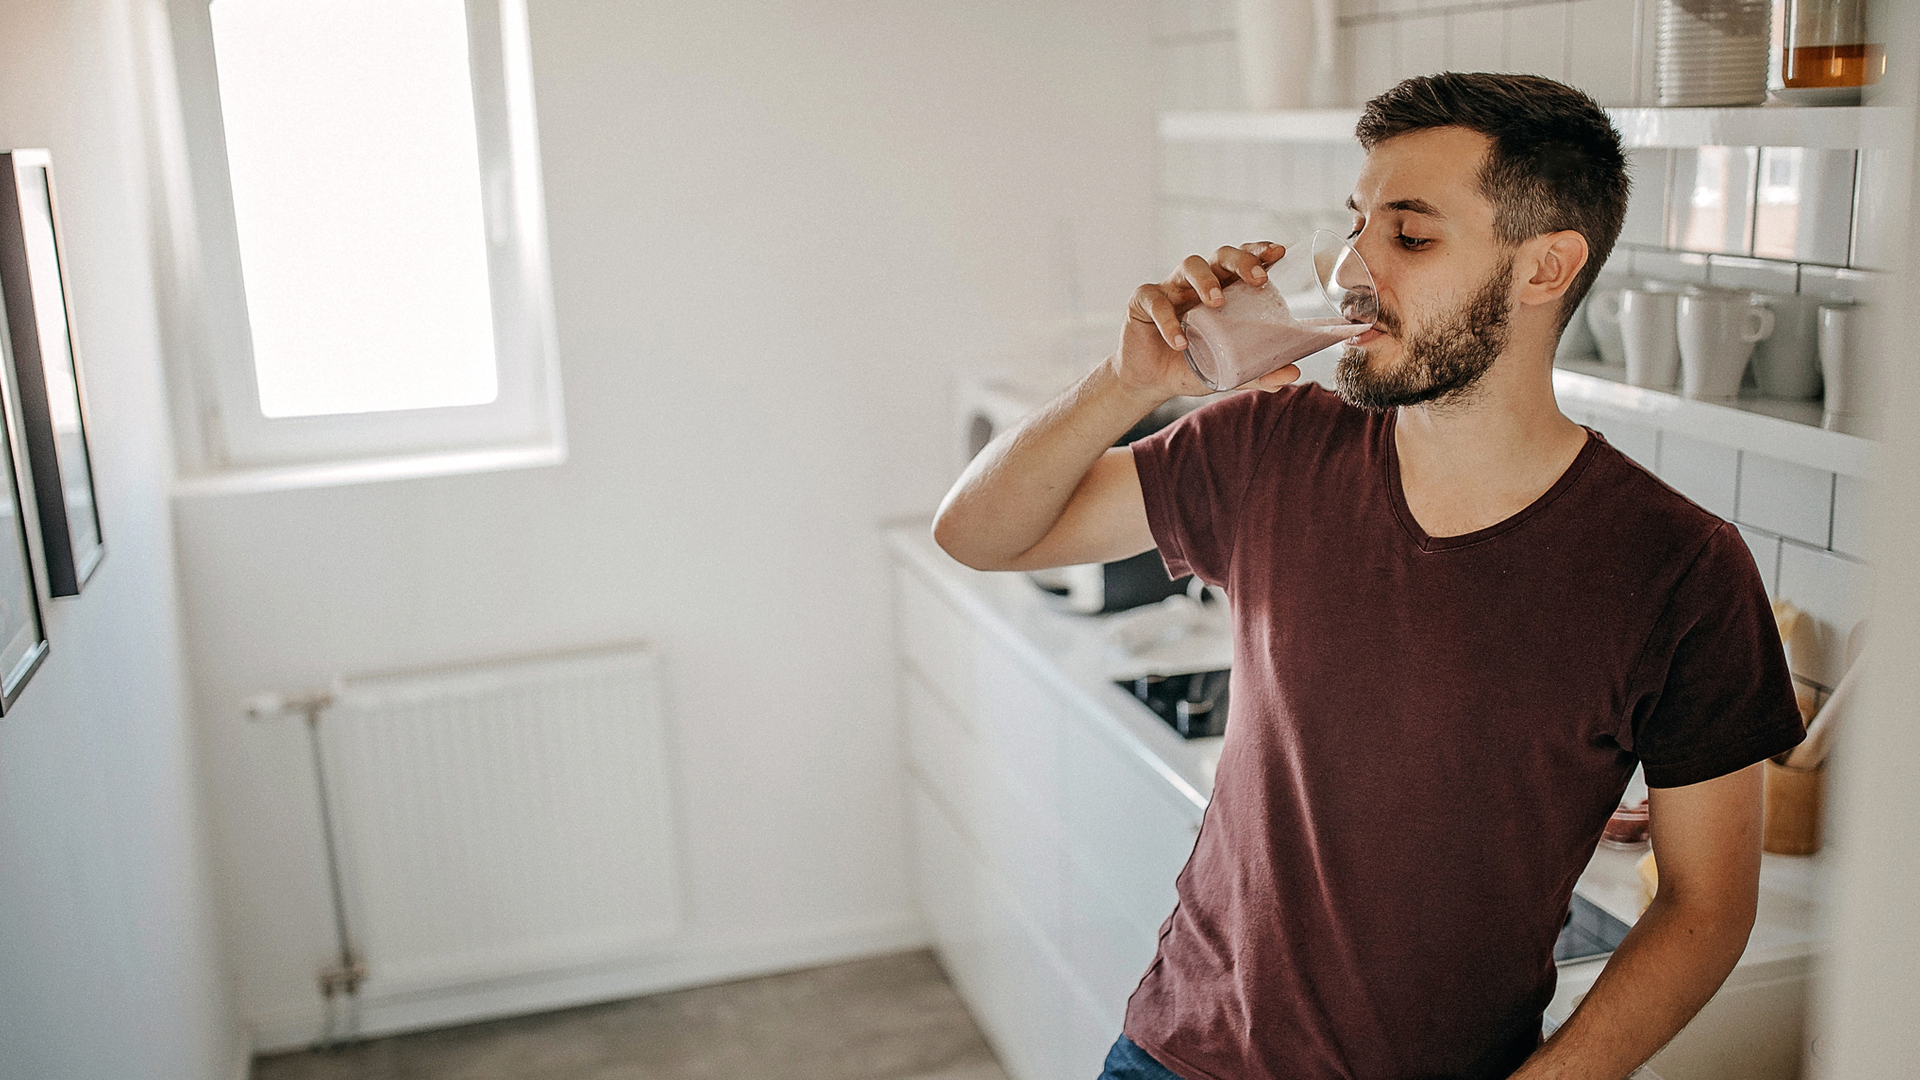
1052	492
1684	946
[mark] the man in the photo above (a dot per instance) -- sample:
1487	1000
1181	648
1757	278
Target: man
1461	621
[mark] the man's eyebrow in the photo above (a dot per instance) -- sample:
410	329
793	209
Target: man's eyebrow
1411	206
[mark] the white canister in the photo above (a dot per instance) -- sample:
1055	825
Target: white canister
1718	329
1649	335
1845	406
1280	51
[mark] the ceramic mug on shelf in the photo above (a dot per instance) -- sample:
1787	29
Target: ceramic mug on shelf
1649	335
1786	364
1718	329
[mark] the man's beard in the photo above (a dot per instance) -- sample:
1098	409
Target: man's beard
1439	364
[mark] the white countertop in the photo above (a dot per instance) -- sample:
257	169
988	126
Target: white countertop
1072	652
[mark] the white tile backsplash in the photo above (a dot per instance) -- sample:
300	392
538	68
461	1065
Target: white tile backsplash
1705	472
1850	515
1638	441
1710	206
1786	498
1760	275
1804	206
1477	41
1420	46
1876	210
1537	40
1832	589
1679	267
1600	52
1834	283
1646	221
1376	62
1766	555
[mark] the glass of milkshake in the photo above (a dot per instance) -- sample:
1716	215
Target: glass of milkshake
1312	299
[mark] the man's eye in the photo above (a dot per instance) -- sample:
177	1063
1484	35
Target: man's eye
1413	243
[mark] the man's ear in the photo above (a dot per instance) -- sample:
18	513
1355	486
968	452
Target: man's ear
1554	260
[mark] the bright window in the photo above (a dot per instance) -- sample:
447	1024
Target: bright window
368	188
366	284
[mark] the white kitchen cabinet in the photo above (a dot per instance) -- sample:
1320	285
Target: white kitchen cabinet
1046	846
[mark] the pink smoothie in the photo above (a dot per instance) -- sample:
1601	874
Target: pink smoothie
1253	333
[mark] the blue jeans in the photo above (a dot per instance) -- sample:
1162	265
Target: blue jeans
1128	1062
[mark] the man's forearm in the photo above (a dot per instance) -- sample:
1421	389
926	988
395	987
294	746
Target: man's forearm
1015	490
1672	962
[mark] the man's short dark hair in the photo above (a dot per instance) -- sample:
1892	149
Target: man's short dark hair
1555	162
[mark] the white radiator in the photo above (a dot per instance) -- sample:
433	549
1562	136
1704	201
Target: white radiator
503	819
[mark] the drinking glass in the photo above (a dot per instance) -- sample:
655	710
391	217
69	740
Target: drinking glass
1311	299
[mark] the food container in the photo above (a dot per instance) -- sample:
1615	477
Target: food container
1713	52
1794	801
1827	57
1628	826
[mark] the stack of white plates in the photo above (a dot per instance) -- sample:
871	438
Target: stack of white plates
1713	52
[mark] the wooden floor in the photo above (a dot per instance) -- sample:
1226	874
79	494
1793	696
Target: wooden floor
891	1018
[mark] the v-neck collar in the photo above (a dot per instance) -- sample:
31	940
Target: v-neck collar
1398	496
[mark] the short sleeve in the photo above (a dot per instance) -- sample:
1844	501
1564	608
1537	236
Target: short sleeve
1712	694
1194	476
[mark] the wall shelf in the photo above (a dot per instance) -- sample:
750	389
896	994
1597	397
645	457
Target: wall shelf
1786	430
1840	128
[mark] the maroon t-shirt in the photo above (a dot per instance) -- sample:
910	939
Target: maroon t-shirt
1427	735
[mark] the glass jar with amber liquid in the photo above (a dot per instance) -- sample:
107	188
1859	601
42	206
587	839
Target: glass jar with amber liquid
1827	47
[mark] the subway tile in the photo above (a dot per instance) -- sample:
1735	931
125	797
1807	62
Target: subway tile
1176	168
1834	591
1837	283
1803	208
1705	472
1537	40
1646	221
1600	55
1274	186
1678	267
1850	502
1222	75
1236	179
1638	441
1877	209
1375	63
1477	41
1760	275
1420	46
1710	206
1766	555
1787	498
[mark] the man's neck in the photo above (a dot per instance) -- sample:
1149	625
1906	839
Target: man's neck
1473	461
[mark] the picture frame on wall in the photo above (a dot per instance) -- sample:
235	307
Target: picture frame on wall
52	405
23	637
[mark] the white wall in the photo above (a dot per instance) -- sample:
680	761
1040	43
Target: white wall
776	230
107	949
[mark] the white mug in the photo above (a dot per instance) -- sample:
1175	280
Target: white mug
1603	319
1649	335
1718	329
1787	363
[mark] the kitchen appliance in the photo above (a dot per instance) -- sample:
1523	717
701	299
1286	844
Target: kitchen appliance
1194	704
991	405
1588	932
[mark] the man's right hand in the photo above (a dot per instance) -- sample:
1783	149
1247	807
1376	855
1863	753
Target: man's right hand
1054	491
1152	355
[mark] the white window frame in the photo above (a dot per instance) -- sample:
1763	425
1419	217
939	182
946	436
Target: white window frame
231	440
